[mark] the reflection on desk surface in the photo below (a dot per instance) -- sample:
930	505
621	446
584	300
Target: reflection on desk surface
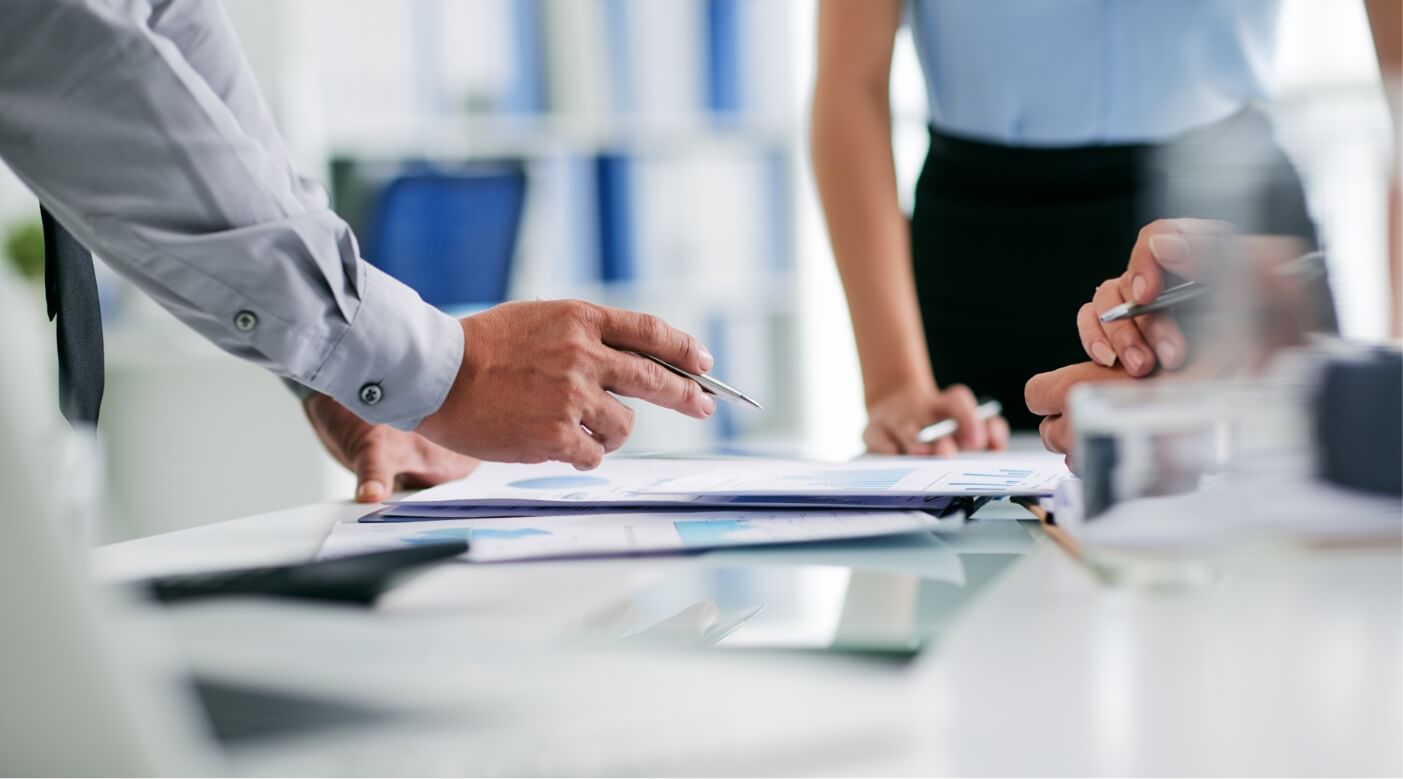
810	607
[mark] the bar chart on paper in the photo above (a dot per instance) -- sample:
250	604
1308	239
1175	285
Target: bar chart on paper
992	479
878	478
863	480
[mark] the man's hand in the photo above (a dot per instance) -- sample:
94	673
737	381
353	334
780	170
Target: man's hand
383	459
538	382
894	420
1046	394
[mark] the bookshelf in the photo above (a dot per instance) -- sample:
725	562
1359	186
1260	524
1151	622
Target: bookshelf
660	140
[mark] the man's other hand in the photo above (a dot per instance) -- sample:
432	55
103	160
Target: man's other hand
539	379
383	458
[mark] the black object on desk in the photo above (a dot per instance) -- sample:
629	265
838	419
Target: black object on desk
357	579
1359	422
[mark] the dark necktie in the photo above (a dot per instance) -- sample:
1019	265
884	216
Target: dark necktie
70	286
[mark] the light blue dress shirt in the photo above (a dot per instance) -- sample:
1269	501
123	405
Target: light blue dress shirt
1089	72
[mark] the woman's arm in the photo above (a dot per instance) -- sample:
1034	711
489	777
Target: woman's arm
1386	24
852	151
853	165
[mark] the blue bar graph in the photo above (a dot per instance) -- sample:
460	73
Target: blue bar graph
993	480
856	480
710	532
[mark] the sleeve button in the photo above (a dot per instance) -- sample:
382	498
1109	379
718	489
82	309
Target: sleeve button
371	394
245	321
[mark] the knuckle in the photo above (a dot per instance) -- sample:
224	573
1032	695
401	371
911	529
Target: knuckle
590	458
877	443
376	438
652	328
560	435
1124	337
960	393
578	390
560	389
579	348
691	393
651	378
689	348
575	310
1033	392
370	453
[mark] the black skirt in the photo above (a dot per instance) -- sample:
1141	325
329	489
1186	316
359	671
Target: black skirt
1008	242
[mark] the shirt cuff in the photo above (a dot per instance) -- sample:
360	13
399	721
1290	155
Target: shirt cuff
298	391
397	360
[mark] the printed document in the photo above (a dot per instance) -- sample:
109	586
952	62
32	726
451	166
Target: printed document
593	535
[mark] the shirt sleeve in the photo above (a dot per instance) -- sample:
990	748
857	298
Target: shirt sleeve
136	155
201	31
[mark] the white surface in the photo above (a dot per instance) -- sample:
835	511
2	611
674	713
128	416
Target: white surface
1287	666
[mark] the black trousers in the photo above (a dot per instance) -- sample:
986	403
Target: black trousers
1008	242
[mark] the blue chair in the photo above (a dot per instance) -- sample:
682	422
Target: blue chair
450	234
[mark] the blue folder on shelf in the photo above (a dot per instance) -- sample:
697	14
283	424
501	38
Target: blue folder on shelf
450	235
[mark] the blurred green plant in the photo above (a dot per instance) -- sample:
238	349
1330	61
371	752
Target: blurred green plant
24	246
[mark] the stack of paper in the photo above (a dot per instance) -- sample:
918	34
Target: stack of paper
554	536
651	484
633	506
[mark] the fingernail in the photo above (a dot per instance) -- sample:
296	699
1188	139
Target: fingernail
369	491
1137	288
1168	353
1103	353
1135	359
706	359
708	405
1169	249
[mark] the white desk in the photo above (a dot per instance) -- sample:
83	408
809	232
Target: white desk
1290	667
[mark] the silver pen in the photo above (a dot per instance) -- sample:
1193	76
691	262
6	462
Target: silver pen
1179	293
987	410
1307	267
710	384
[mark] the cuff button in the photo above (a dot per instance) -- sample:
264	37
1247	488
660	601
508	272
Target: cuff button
371	394
245	321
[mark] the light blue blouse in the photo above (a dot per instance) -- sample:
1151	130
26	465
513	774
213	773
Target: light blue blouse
1086	72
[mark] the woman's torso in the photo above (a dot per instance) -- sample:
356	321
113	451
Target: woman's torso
1090	72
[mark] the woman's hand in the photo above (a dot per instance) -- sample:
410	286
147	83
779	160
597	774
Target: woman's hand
895	419
1165	249
1046	395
